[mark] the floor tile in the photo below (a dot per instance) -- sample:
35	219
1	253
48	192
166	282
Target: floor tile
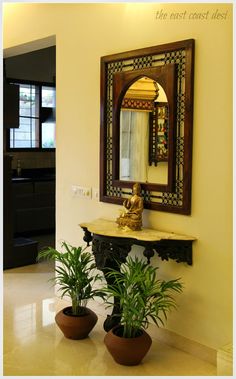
34	345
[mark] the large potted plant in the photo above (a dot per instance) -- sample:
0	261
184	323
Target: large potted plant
143	298
76	278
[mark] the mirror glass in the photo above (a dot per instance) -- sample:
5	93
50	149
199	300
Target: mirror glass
143	136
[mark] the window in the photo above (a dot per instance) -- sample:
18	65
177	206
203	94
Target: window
37	118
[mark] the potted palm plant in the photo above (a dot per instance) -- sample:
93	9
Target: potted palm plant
142	298
75	277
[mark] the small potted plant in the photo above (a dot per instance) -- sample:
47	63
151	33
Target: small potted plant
76	278
142	298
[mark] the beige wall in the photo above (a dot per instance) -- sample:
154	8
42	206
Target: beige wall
84	33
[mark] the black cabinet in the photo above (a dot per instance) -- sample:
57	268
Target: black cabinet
29	208
34	206
7	211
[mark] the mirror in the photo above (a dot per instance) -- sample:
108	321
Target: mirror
146	126
138	91
143	155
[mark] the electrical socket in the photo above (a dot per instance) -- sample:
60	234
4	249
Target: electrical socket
95	194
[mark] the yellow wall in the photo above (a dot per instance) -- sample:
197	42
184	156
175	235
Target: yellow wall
84	33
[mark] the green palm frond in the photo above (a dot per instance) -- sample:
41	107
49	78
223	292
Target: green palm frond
141	294
74	273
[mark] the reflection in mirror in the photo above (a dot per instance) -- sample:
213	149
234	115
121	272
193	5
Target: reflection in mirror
144	133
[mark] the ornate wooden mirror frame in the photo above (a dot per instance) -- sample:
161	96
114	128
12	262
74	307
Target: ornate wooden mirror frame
117	72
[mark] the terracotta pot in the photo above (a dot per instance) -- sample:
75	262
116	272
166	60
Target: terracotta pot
76	327
127	351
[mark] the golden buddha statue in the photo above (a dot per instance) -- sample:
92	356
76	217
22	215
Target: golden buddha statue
132	216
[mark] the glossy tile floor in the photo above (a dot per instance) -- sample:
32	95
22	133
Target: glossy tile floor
33	344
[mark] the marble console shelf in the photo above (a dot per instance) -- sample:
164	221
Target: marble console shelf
106	234
111	245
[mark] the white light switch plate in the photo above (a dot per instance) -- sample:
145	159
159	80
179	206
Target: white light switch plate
82	192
